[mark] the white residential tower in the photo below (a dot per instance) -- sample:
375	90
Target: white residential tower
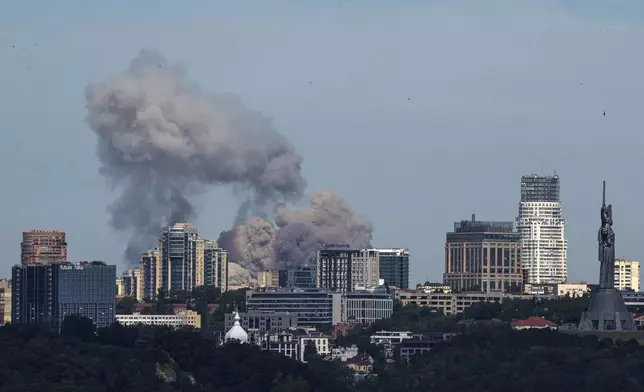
542	228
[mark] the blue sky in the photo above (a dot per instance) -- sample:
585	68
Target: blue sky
417	112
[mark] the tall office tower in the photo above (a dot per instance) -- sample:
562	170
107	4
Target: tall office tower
151	273
130	284
87	289
394	267
627	275
542	228
342	269
43	246
178	257
46	293
5	301
483	256
215	265
34	294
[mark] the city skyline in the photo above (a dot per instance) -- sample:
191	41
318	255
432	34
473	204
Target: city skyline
431	82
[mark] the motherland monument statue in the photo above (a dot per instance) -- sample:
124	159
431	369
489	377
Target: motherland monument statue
607	310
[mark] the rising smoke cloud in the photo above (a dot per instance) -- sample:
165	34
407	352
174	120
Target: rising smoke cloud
161	141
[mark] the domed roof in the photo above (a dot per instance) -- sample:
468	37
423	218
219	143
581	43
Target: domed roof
237	332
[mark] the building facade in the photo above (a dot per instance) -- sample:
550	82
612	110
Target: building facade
302	277
542	227
186	318
627	275
215	266
450	304
46	293
342	269
87	289
313	307
178	257
365	307
34	294
483	256
151	273
43	246
130	284
5	301
261	322
394	267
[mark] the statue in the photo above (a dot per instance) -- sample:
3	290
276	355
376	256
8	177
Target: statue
606	310
606	239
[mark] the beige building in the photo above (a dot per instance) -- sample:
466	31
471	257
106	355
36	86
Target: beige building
5	301
627	275
130	284
573	290
483	256
268	278
449	304
365	269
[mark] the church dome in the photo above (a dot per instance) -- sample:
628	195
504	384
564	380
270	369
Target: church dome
237	332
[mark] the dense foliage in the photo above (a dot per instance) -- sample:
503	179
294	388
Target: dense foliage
124	359
501	359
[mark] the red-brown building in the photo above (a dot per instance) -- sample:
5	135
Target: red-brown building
43	246
534	323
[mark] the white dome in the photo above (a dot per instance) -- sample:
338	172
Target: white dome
237	332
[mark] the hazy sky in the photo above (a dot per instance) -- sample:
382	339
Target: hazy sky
417	112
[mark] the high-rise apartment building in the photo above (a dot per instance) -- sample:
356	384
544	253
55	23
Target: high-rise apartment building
215	266
183	261
151	273
627	275
302	277
43	246
542	228
130	284
179	257
394	267
342	269
46	293
483	256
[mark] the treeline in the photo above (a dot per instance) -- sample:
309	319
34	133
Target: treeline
500	359
123	359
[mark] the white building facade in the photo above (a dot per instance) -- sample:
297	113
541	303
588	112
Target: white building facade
542	228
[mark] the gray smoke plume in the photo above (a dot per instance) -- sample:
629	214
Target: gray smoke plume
254	245
330	220
161	141
300	234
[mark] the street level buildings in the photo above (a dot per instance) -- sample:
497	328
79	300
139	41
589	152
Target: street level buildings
542	227
43	246
627	275
483	256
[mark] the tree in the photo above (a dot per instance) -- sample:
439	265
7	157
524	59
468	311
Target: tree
125	305
76	326
310	351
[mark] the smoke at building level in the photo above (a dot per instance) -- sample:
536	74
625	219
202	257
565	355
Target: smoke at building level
161	142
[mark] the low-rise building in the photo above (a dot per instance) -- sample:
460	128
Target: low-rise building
449	304
186	318
533	323
421	343
572	290
343	353
390	337
292	343
361	364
